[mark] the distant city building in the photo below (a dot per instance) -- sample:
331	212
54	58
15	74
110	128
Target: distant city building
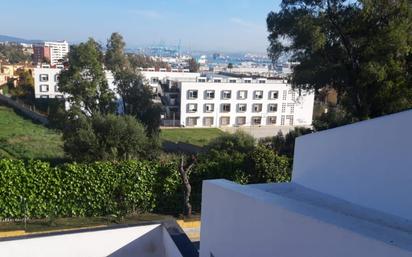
52	51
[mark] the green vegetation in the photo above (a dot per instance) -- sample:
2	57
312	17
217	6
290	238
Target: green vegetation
34	189
198	137
22	139
13	54
362	49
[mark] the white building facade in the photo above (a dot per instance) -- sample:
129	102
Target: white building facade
232	102
58	51
155	78
46	83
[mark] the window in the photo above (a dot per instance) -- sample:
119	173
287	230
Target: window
217	80
192	94
226	94
201	80
209	108
241	107
291	108
257	107
56	77
56	88
293	95
283	108
258	95
289	120
225	107
242	94
224	121
44	77
248	81
154	80
262	81
285	94
272	107
232	80
273	95
59	96
44	96
282	120
209	94
240	121
192	107
208	121
271	120
256	120
191	121
44	88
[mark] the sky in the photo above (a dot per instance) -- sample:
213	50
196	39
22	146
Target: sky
210	25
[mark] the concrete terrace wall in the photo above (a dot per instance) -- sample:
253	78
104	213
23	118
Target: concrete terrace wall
368	163
243	221
144	241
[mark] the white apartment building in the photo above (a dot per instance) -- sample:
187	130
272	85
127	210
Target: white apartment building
156	78
233	102
58	50
45	83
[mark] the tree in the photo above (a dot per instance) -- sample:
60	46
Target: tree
105	137
285	144
231	143
115	58
192	65
25	87
136	95
137	98
142	61
184	170
85	81
267	166
13	53
230	66
361	48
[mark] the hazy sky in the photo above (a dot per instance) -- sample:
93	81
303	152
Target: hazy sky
226	25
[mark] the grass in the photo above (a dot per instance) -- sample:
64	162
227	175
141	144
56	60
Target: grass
20	138
198	137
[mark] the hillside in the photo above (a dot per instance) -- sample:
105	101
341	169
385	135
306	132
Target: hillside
22	139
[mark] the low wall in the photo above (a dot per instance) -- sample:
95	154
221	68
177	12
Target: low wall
367	163
243	221
25	111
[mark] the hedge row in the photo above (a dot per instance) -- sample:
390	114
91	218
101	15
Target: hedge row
34	189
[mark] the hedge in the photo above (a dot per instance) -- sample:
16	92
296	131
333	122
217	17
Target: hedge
34	189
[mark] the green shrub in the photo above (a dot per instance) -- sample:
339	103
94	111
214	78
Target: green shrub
34	189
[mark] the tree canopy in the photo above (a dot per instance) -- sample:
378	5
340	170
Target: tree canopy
360	48
106	137
13	53
85	81
137	96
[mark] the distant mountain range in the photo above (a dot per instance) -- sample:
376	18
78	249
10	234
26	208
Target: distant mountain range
4	38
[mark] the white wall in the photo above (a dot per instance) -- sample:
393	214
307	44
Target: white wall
145	241
52	82
302	115
243	221
160	75
367	163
